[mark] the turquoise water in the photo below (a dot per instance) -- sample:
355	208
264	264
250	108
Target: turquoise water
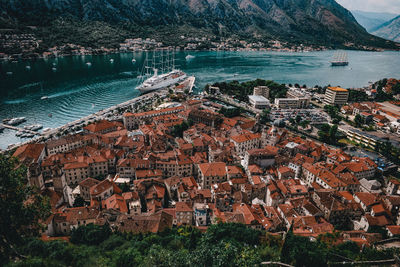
76	90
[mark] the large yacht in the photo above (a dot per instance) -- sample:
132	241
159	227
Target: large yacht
169	75
340	59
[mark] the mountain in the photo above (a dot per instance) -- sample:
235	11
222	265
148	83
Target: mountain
319	22
372	20
389	30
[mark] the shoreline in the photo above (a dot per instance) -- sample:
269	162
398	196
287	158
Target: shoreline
22	59
93	117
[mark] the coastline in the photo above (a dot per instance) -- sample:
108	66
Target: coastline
210	79
194	50
104	53
282	50
101	114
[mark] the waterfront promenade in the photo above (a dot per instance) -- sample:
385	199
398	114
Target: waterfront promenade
116	111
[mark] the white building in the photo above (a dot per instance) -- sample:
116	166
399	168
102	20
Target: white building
292	103
258	101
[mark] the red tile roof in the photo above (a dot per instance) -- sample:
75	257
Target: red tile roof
216	169
115	202
30	152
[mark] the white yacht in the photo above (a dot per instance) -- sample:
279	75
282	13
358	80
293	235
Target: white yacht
15	121
169	75
34	127
161	81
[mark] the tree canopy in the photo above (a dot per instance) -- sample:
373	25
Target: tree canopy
21	207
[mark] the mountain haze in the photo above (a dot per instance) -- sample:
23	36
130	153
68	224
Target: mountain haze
389	30
320	22
372	20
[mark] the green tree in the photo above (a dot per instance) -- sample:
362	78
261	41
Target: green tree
264	117
300	251
298	119
333	134
231	112
90	234
358	120
178	130
21	208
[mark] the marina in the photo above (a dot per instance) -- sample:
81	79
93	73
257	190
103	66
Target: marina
75	90
20	130
114	112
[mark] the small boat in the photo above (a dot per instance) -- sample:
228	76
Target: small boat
28	67
93	105
19	133
133	60
54	69
111	60
34	127
88	64
44	97
54	64
189	57
46	130
16	121
9	73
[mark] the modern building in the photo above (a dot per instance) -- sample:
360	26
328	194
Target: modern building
336	96
261	91
258	101
362	138
292	103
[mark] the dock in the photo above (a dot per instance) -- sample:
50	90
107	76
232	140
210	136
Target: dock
19	129
187	84
191	80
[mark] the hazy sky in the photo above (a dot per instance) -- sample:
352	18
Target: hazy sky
389	6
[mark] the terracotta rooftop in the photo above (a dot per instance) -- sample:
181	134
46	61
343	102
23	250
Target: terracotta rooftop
102	125
338	89
89	182
216	169
29	152
183	207
115	202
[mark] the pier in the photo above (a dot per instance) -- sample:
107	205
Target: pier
19	129
191	81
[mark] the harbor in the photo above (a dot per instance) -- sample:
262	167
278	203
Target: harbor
112	113
54	99
18	129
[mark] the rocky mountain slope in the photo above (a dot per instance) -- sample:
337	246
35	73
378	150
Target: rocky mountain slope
322	22
389	30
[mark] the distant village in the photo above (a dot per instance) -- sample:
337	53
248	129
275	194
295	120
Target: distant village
187	164
29	44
